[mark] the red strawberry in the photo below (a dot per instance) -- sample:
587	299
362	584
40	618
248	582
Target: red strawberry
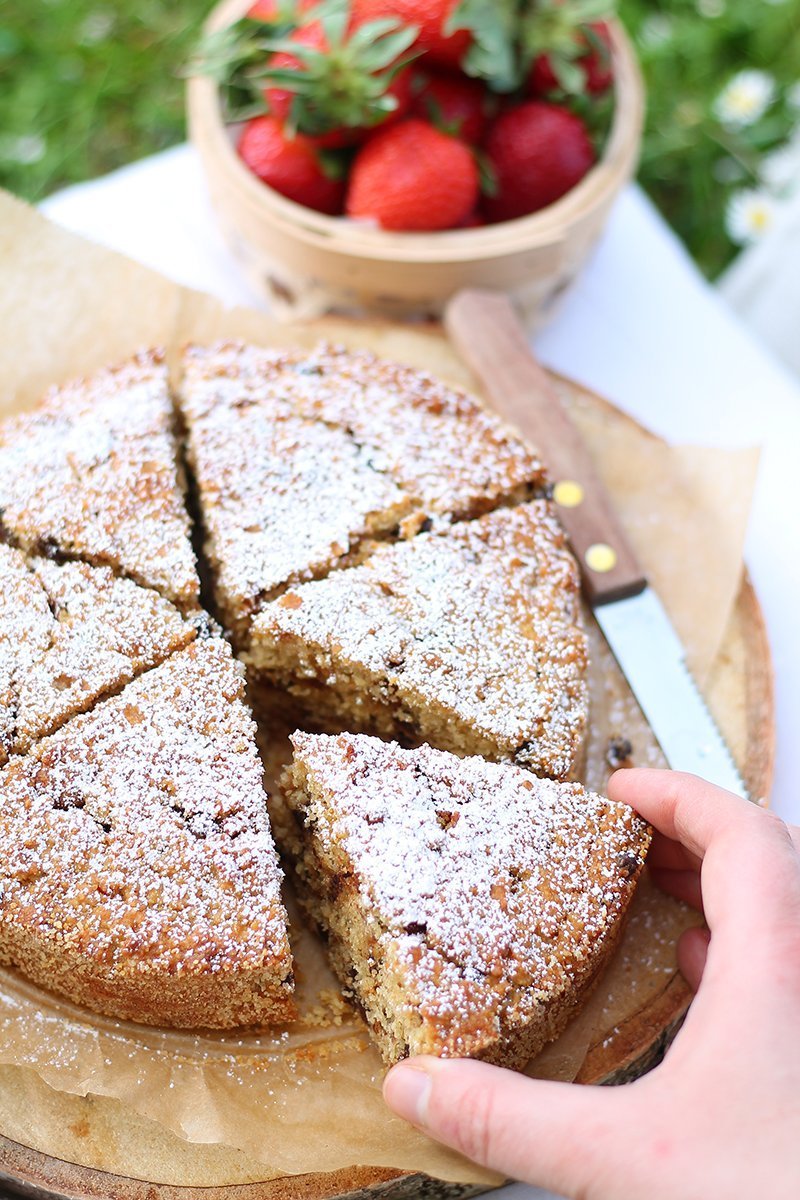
413	177
290	165
430	16
455	103
592	55
278	10
537	152
264	10
335	98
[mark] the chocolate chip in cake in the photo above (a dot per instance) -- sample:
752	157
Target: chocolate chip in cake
619	752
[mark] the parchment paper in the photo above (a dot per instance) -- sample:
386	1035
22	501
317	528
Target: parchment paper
307	1098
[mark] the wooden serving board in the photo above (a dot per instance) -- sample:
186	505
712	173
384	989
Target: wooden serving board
98	1147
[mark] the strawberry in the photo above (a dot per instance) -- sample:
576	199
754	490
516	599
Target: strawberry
290	165
590	53
430	17
412	176
536	153
455	104
265	10
333	81
279	11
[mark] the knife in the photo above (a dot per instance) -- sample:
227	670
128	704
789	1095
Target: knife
484	328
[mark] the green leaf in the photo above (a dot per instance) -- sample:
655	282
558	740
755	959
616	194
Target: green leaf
571	77
487	175
493	55
334	163
335	25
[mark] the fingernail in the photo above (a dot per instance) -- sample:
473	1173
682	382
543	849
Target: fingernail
406	1090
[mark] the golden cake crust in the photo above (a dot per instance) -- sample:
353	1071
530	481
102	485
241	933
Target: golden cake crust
139	876
468	906
92	473
470	639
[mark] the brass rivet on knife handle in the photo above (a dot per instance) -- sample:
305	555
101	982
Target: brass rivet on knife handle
568	493
487	333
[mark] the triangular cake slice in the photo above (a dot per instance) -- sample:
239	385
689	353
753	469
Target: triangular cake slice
470	639
299	456
282	498
71	634
139	876
92	473
468	907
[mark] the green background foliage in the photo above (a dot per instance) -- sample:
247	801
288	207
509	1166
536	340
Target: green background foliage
86	87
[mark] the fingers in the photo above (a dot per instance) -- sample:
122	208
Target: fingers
682	807
525	1128
692	954
683	885
671	856
750	870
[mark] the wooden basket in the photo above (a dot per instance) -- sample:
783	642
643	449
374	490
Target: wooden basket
307	263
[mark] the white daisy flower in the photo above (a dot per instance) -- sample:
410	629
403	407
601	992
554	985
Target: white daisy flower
744	98
750	215
711	8
25	149
96	27
655	30
780	170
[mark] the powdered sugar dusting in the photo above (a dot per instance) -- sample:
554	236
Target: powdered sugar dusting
138	836
354	443
70	633
483	622
283	499
92	473
484	887
26	624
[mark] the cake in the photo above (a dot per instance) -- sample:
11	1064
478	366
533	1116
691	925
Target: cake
382	556
298	457
468	907
470	639
71	634
138	875
92	473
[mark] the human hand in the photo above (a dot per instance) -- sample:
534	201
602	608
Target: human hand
719	1118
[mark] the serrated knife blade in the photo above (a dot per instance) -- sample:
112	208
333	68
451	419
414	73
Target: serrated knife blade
652	659
484	327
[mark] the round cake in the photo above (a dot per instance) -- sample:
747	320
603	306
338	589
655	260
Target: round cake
382	556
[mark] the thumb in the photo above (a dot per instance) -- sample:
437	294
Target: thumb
559	1136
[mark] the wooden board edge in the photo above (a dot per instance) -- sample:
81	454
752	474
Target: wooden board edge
34	1174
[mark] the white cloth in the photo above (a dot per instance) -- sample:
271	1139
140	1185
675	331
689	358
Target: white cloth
639	326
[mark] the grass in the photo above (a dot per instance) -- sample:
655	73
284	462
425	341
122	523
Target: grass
87	87
691	163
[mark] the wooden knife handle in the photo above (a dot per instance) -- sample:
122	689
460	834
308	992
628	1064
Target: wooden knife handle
487	333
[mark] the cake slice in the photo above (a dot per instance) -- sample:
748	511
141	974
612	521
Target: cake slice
71	634
298	457
282	499
92	473
468	907
139	876
470	639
